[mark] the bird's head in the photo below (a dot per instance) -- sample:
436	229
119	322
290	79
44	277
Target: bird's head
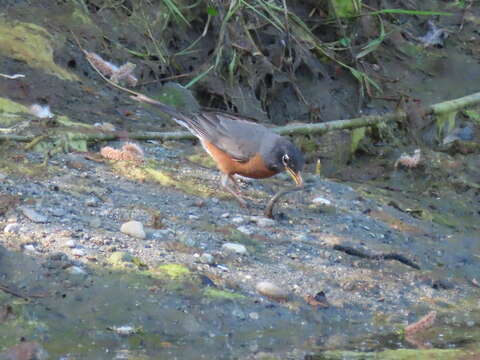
285	156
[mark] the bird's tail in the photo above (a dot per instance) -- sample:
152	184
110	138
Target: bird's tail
187	122
163	107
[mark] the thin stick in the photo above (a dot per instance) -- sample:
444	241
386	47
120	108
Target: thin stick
12	292
269	209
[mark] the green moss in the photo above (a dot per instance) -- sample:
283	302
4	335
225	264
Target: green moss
11	112
473	115
444	219
188	185
306	144
120	259
401	354
222	294
32	44
357	136
65	121
81	17
173	271
346	8
202	159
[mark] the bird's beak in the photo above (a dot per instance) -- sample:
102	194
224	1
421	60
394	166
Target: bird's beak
295	176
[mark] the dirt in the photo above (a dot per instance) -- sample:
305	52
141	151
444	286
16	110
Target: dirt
368	248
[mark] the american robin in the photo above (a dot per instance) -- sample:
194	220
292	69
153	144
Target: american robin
239	146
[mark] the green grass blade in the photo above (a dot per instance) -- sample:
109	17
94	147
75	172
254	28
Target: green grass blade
410	12
199	77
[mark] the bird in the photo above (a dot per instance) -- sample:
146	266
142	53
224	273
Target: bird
238	146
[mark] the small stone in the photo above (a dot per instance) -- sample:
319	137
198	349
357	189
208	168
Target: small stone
237	312
70	243
207	258
33	215
238	220
29	248
225	215
321	201
13	228
193	217
133	228
199	203
105	126
234	248
91	201
124	330
271	290
78	252
254	316
264	222
76	270
245	230
187	240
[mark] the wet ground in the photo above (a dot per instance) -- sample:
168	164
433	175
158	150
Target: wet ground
83	278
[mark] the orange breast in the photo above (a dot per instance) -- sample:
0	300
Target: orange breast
254	168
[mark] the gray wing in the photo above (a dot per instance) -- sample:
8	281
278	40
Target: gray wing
237	137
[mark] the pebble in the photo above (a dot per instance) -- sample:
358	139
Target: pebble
124	330
234	248
78	252
207	258
271	290
33	215
76	270
133	228
193	217
263	221
245	230
222	267
199	203
225	215
91	201
321	201
238	220
70	243
29	248
254	316
13	228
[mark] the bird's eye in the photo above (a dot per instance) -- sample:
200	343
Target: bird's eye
285	159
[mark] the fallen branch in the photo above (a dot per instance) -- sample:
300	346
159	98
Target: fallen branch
269	209
168	135
294	129
6	289
382	256
422	324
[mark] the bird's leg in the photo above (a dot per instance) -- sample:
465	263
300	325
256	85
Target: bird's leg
224	181
235	183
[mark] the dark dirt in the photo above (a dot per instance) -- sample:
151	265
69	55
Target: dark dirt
369	248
